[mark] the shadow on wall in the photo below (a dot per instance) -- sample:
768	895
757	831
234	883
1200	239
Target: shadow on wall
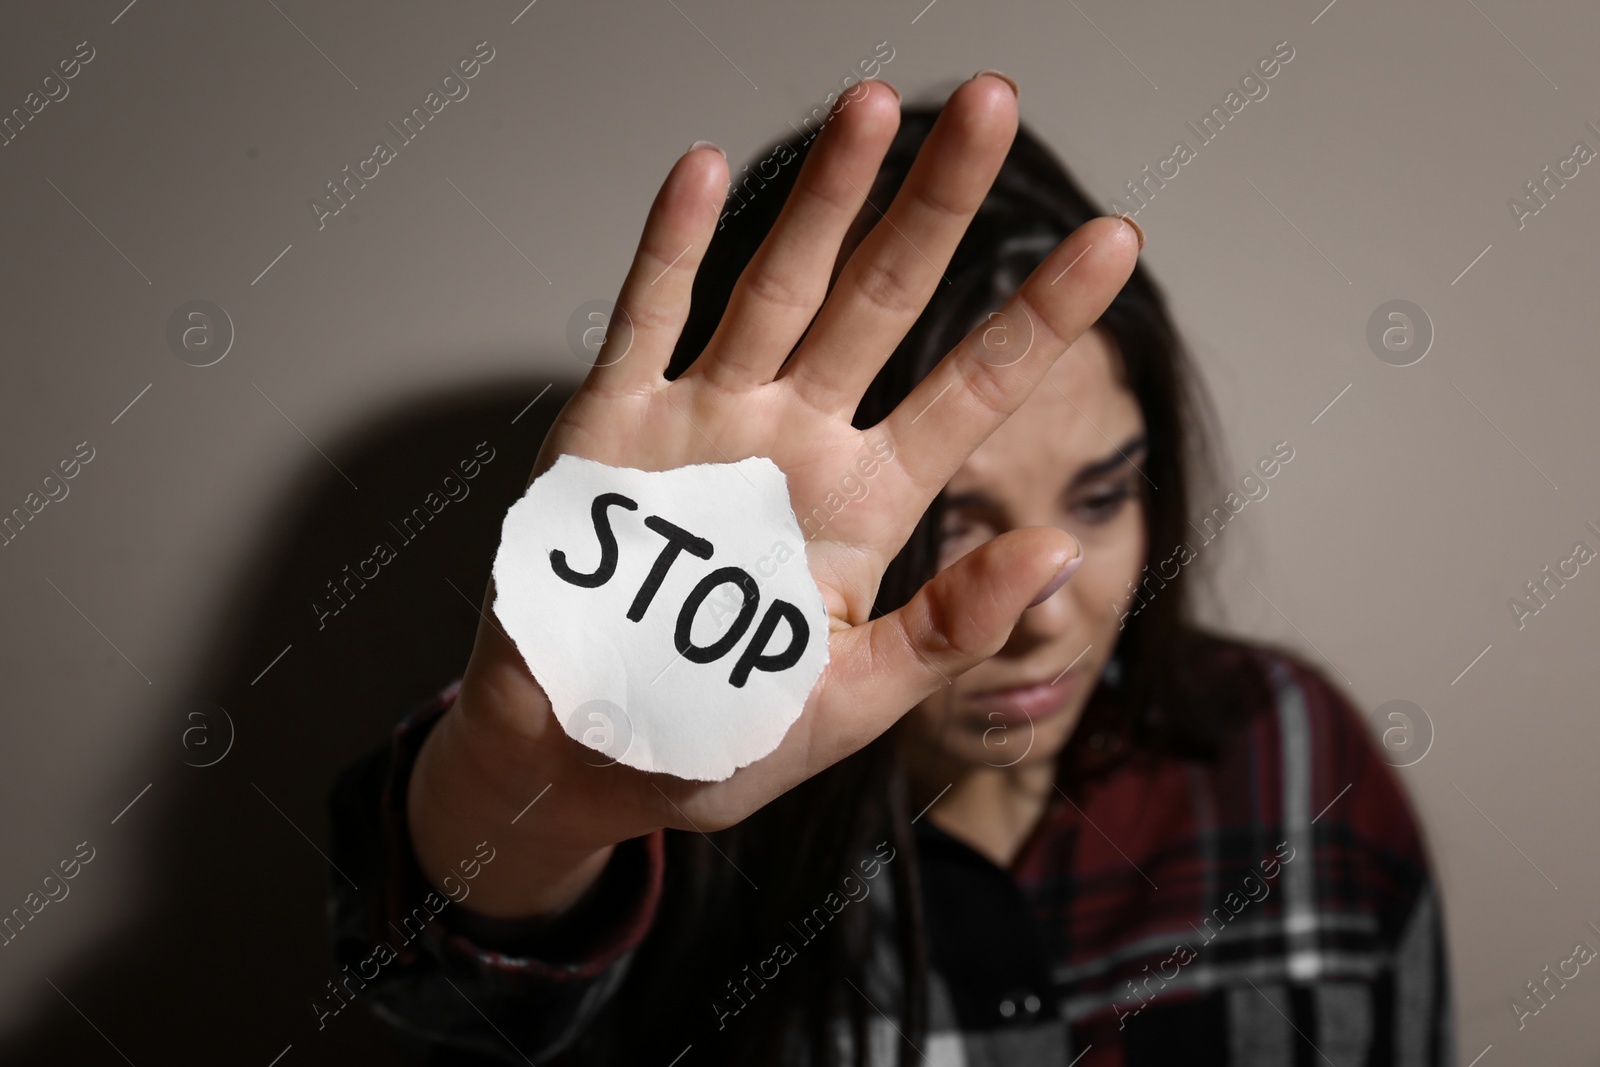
227	951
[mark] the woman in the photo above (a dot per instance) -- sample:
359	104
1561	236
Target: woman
1022	820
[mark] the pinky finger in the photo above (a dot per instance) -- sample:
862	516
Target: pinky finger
653	303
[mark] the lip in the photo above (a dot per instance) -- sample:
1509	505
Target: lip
1029	702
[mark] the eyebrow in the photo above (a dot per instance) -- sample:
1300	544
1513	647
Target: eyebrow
1123	455
1119	456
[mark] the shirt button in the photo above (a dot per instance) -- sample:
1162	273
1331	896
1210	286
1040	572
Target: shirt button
1019	1005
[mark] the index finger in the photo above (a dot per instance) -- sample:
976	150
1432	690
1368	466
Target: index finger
980	382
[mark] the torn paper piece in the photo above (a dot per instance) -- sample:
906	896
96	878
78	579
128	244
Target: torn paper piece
670	616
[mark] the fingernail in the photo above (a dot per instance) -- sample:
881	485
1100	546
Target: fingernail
1137	232
887	86
1061	577
707	144
1015	91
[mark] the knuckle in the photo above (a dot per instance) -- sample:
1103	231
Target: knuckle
885	287
650	316
949	634
997	385
989	386
765	286
1052	330
665	264
944	201
830	198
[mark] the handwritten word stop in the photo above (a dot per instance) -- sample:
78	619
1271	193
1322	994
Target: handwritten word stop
655	595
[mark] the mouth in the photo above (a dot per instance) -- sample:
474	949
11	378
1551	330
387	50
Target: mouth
1028	702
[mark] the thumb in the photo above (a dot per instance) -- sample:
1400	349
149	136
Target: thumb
960	617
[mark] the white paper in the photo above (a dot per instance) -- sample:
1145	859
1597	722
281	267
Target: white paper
621	685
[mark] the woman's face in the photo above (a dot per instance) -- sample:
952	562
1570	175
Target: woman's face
1069	457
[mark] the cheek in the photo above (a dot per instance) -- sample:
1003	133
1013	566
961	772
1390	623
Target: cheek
1114	558
933	714
932	722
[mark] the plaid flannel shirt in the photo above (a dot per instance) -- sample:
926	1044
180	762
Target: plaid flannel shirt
1273	907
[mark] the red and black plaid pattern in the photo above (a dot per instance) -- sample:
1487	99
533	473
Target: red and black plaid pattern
1271	907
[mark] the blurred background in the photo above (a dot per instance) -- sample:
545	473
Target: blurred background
248	389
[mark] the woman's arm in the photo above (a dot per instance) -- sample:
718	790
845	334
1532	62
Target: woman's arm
465	789
442	974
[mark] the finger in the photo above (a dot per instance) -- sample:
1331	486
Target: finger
987	376
883	288
785	282
960	617
653	303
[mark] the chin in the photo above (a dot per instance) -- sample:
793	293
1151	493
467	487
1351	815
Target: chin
983	735
1005	746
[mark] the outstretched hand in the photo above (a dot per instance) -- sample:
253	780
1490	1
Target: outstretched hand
746	395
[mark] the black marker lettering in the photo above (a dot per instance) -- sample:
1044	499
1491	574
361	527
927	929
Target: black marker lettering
755	657
678	539
608	545
718	648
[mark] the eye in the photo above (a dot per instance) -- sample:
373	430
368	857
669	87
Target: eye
956	527
960	533
1103	504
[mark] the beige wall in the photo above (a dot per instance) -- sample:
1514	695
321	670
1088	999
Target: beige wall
1377	167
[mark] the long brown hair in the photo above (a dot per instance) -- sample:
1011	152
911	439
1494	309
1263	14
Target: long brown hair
731	895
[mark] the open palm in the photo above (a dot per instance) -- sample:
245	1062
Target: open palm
746	396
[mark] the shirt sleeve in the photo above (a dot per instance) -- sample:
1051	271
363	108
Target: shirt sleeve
1423	1034
1374	854
442	976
